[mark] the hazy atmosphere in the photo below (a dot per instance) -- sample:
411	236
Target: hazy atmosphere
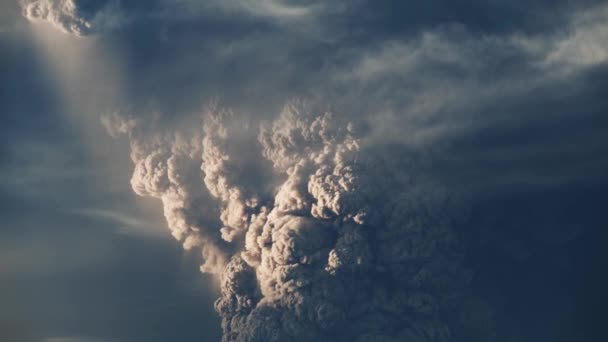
286	170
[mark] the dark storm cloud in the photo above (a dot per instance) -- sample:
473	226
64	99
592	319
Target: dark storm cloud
332	53
180	54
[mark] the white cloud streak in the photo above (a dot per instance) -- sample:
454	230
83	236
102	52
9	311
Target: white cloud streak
123	222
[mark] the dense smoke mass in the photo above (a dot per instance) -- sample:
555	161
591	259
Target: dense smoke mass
350	244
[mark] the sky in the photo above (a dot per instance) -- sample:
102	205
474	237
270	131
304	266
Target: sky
286	170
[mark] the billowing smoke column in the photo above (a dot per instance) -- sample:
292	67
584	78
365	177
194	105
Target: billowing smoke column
167	166
352	245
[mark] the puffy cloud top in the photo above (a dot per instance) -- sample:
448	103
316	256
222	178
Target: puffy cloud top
69	16
63	14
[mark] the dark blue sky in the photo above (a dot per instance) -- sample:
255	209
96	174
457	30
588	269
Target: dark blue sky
505	102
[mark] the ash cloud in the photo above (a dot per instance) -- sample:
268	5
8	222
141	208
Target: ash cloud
352	244
167	167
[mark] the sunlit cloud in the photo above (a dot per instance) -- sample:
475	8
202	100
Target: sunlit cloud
67	17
